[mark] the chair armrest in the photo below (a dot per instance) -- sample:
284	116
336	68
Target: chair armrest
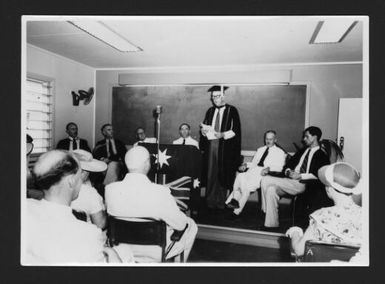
177	235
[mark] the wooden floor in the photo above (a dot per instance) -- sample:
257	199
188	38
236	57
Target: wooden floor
251	218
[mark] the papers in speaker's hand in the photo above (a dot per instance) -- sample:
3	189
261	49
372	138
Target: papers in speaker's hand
208	131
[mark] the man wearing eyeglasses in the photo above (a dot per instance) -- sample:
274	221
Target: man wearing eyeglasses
221	145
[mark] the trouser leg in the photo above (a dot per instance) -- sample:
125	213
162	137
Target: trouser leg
274	188
186	242
271	209
244	196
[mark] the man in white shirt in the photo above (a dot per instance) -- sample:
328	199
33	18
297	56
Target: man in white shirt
141	137
136	196
304	165
185	138
52	234
269	158
89	200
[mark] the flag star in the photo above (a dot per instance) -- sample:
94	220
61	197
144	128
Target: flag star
196	183
163	157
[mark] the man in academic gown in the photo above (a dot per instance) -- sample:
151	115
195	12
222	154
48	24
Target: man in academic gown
221	145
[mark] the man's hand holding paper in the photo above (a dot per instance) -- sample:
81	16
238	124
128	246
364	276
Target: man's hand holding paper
208	131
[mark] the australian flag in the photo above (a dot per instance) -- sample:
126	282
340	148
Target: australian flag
181	166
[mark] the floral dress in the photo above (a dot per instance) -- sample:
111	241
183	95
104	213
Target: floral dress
337	224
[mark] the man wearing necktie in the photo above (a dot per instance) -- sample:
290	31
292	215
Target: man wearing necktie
268	158
185	138
221	145
73	142
111	151
304	165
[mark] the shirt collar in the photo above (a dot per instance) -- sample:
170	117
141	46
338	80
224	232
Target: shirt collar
70	138
136	177
314	149
56	208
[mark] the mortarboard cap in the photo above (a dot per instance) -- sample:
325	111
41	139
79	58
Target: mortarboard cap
217	88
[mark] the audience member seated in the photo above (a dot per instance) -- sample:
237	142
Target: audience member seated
136	196
32	192
269	158
185	138
73	142
89	201
141	137
52	233
111	151
339	224
304	165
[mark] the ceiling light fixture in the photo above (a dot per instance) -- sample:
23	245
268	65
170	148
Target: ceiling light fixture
102	32
332	31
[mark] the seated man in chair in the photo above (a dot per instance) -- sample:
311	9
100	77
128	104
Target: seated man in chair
52	233
137	197
73	142
269	158
304	165
111	151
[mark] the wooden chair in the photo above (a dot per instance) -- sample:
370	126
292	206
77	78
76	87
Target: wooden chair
142	231
316	251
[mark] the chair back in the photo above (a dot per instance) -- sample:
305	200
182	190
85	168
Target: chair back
138	231
325	252
332	150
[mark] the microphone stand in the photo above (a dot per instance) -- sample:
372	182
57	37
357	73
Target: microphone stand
157	175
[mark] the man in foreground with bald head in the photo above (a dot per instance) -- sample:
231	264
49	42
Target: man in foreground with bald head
137	196
52	233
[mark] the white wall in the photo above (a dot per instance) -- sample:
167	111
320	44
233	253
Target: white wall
68	76
327	83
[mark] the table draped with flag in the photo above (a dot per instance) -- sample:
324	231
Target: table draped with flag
181	166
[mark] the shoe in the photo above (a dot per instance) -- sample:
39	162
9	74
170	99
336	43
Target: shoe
233	204
234	216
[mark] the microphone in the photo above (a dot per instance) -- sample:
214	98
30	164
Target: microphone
158	109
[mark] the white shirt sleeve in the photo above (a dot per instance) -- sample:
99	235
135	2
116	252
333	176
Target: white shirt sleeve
171	213
228	134
96	202
308	176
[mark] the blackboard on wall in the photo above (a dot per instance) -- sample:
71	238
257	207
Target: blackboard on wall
261	107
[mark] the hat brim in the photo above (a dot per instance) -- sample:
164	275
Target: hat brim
217	88
322	175
93	166
29	148
326	176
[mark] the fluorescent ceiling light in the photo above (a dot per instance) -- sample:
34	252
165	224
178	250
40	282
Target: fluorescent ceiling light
105	34
332	30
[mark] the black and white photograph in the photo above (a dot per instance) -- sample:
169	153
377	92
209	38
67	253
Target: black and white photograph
194	140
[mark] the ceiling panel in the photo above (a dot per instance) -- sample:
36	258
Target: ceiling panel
192	41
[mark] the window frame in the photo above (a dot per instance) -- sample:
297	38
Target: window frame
51	84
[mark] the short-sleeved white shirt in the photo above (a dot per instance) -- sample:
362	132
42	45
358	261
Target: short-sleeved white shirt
88	201
54	236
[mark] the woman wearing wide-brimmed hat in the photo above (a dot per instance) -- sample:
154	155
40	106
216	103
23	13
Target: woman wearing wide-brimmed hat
341	223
